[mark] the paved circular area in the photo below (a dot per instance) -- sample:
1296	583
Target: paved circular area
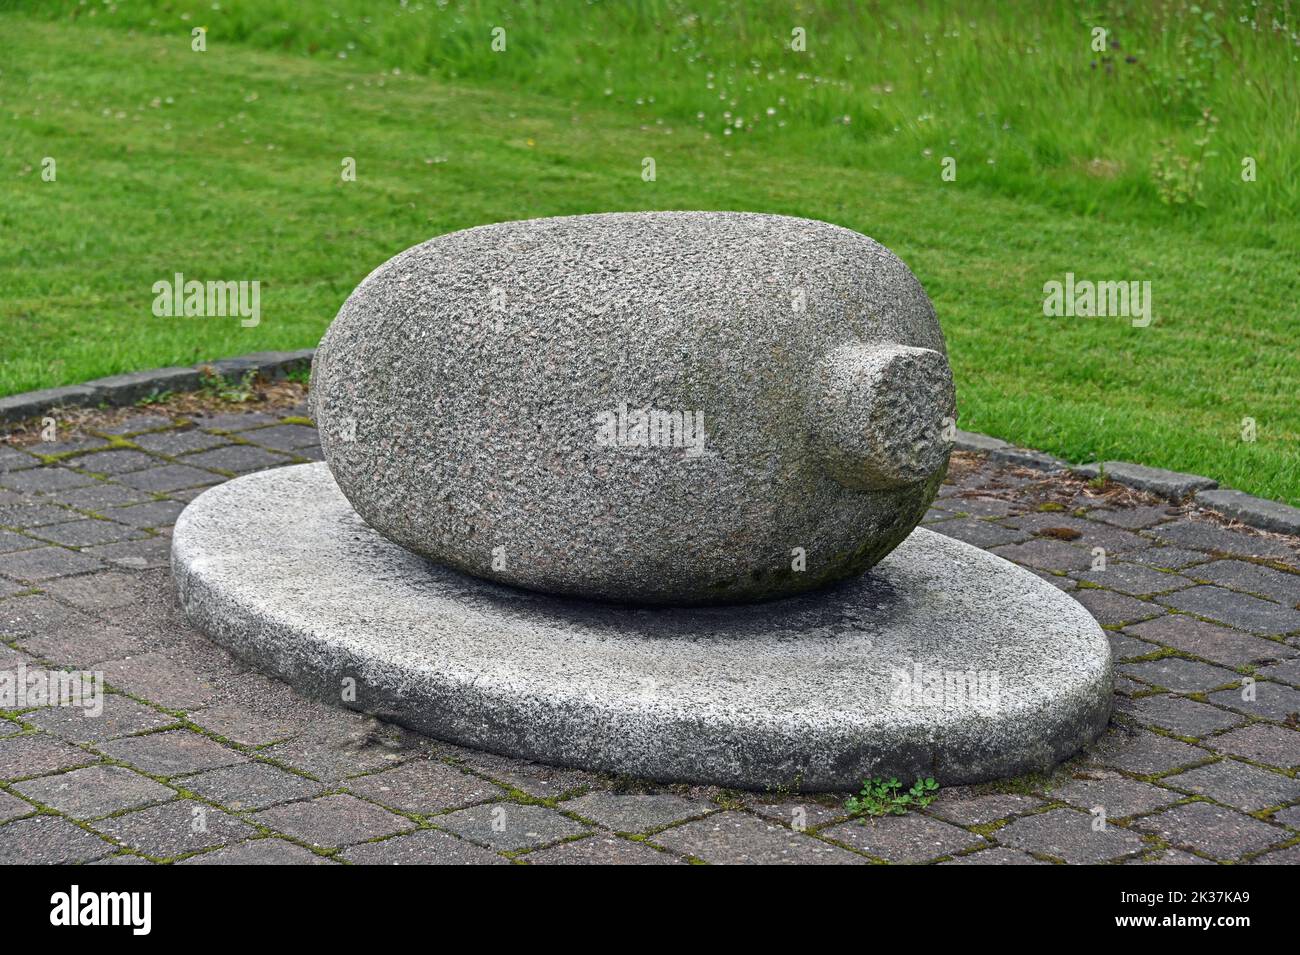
944	661
1197	766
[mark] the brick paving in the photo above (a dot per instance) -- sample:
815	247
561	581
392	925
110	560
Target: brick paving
197	759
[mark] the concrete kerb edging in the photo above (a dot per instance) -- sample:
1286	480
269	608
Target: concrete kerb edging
127	389
1175	486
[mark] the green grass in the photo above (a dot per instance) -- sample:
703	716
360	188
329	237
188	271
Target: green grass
225	164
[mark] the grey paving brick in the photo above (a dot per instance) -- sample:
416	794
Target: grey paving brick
507	826
159	678
1242	575
177	442
1168	558
543	782
424	786
174	828
137	423
910	838
11	541
120	716
38	754
10	589
46	563
425	847
1125	647
109	463
1288	817
237	458
252	786
736	838
1235	609
1118	796
1209	641
49	840
1262	700
32	514
236	421
1262	743
171	753
1169	857
1131	518
96	592
169	477
1180	715
635	813
1236	784
284	437
270	851
1112	609
995	855
248	726
94	791
981	810
37	613
11	807
329	759
1091	534
1144	752
99	497
1069	835
1046	554
13	459
1216	831
1179	675
145	554
1288	671
86	533
150	514
800	814
1287	856
332	821
980	533
1136	580
1202	535
44	480
601	850
84	649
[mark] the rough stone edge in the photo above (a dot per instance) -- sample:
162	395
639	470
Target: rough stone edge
587	733
128	388
1258	512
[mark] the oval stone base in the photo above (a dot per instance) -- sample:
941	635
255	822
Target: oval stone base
943	661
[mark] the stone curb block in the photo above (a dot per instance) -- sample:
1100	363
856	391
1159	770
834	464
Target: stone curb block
1173	485
34	403
974	441
129	388
1255	511
1028	458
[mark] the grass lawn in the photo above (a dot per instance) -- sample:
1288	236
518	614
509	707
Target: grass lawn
226	165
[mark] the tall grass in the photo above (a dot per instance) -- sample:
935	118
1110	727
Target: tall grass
1012	91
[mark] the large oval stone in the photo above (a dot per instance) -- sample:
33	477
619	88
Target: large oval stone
675	407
